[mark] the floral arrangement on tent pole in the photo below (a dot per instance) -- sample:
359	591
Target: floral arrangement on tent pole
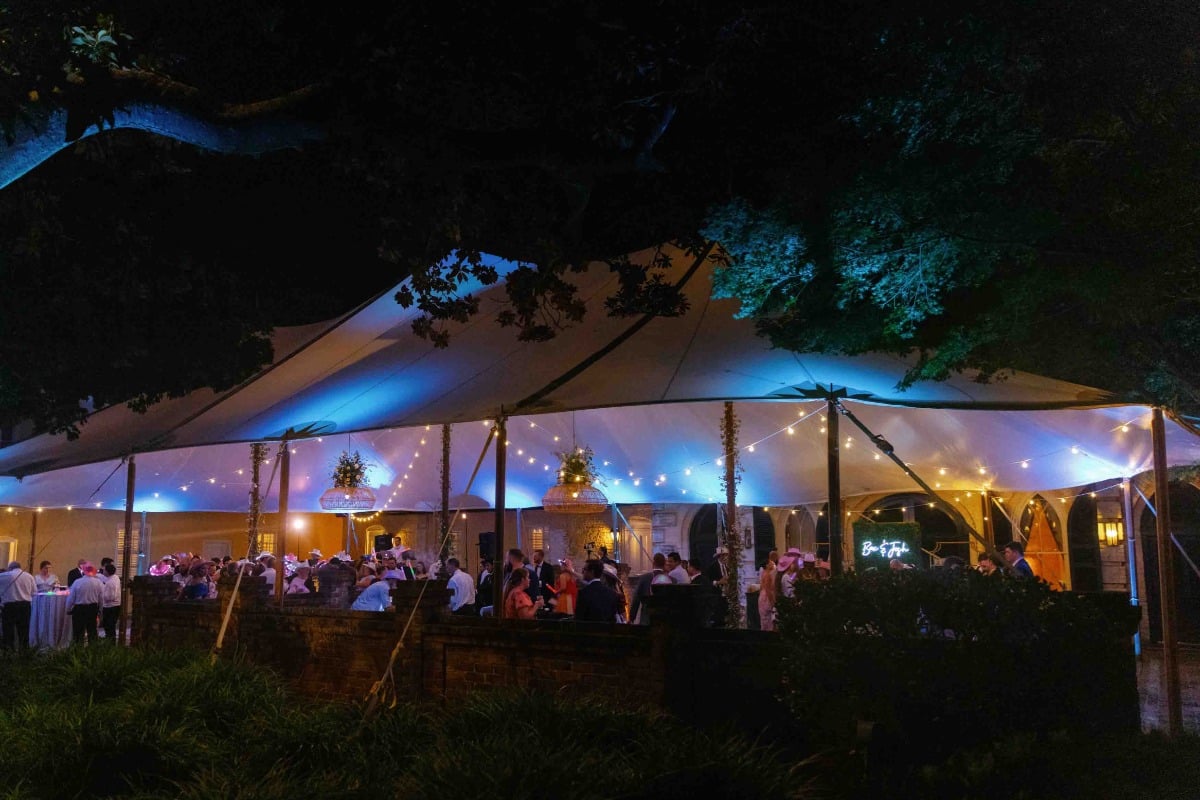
258	456
730	537
576	492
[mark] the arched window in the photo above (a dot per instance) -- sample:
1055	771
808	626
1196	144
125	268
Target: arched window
939	533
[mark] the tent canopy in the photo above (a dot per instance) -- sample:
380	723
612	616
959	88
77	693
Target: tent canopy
646	396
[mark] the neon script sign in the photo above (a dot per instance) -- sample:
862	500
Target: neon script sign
885	549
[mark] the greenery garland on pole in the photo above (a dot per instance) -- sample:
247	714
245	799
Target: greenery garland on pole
730	537
258	456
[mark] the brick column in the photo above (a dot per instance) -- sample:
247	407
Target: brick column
147	591
336	586
252	593
677	612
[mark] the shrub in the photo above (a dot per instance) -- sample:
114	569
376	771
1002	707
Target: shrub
118	722
941	660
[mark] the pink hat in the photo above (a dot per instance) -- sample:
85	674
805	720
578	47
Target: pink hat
792	554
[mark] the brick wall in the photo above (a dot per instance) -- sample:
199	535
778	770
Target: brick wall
325	650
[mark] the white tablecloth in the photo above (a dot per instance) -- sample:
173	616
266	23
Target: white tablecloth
50	624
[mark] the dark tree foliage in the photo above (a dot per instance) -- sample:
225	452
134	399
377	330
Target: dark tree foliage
989	185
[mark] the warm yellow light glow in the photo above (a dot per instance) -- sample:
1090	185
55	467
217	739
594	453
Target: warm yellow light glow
1110	532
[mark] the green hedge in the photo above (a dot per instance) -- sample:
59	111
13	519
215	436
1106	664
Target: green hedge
118	722
941	660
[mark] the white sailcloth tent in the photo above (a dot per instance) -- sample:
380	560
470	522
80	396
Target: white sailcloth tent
646	395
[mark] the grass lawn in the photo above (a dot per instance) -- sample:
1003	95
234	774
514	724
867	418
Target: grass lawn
115	722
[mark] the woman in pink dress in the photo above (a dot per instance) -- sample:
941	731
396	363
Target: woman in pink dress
766	593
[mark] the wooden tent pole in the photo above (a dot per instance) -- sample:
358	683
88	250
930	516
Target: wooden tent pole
285	470
501	548
1131	555
130	482
33	515
833	465
447	522
1166	576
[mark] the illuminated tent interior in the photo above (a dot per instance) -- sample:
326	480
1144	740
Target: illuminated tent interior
648	401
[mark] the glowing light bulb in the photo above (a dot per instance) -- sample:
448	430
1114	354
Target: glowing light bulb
750	448
1024	465
1124	429
1074	449
791	431
942	471
687	471
983	470
877	456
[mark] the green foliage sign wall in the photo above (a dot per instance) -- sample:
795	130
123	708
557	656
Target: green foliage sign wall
877	543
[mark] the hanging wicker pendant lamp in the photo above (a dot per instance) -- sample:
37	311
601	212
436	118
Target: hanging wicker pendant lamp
574	498
348	498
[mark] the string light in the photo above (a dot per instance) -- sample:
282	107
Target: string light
789	429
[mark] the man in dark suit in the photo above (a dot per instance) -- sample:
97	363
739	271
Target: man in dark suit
485	585
1018	567
76	573
718	571
542	576
718	575
596	602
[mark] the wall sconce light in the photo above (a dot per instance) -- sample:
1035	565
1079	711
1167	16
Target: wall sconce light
1110	532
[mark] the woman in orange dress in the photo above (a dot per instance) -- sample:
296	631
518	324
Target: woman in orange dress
517	603
566	587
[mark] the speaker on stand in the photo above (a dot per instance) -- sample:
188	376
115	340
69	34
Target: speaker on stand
487	545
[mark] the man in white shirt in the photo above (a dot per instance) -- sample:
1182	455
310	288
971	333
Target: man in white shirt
675	570
110	602
462	590
17	588
376	597
83	604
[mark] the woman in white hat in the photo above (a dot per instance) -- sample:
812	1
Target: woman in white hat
297	585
